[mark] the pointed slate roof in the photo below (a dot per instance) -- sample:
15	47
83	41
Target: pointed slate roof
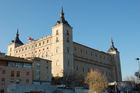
17	40
62	18
112	47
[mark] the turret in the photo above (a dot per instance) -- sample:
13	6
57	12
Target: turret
15	43
17	40
112	48
116	59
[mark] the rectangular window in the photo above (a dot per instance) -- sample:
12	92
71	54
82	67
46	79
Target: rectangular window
57	50
88	69
27	73
57	32
86	52
3	80
68	63
10	49
3	71
12	73
26	65
67	32
68	49
39	44
68	40
19	65
11	64
57	39
77	68
47	41
43	42
18	73
83	69
35	45
81	51
75	48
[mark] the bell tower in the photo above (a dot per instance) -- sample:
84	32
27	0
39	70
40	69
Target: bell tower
15	43
62	47
116	59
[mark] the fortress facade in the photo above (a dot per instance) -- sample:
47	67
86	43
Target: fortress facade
66	55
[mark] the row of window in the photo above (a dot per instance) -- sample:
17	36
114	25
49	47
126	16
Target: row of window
38	65
36	45
57	40
57	32
19	65
92	54
13	73
83	69
3	80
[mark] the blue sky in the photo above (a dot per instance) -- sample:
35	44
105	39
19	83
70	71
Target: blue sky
94	22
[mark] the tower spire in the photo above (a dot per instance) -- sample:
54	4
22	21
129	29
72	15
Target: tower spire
62	18
17	34
17	40
62	13
112	47
112	43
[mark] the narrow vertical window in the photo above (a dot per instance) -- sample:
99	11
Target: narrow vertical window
57	32
3	71
18	73
57	62
12	73
67	32
88	69
57	49
3	81
57	39
68	62
83	69
47	54
47	41
68	39
27	73
10	49
68	49
77	67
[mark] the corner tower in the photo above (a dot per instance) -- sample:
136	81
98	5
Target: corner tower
15	43
116	59
62	47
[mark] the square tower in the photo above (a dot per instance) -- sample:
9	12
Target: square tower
62	47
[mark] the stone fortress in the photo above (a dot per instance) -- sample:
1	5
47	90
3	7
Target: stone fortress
66	55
